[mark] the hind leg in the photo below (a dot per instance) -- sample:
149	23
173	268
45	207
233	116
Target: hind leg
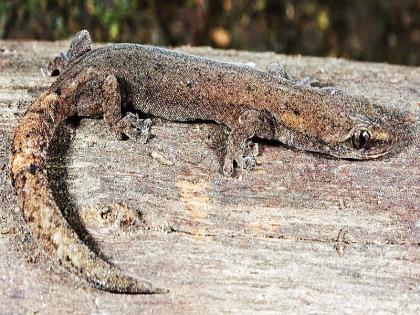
251	123
130	124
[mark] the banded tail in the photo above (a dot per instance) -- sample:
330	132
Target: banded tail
45	220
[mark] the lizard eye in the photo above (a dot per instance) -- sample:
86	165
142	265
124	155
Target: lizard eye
361	139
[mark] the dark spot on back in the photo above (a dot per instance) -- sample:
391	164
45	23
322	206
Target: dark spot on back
158	66
33	168
31	218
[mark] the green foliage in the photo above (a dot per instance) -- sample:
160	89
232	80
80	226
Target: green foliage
375	30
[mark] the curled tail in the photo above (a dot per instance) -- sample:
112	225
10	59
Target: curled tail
46	222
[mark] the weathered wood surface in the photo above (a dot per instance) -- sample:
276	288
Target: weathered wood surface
267	241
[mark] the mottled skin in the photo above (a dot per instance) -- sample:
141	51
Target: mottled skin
111	81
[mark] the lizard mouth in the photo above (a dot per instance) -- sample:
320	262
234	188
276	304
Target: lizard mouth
377	147
365	142
362	154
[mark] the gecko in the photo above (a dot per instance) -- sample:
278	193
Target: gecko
117	80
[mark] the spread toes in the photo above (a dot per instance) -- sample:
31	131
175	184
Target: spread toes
136	128
245	160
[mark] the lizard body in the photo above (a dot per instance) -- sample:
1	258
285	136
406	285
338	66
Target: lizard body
113	80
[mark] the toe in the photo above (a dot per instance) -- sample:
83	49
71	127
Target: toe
228	167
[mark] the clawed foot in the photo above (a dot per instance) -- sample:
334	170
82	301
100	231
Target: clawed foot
244	160
251	123
251	149
135	128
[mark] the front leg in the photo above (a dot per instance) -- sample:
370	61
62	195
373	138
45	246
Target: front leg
130	125
251	123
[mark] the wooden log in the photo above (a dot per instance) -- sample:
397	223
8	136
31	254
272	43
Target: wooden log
301	233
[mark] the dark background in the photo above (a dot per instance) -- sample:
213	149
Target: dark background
371	30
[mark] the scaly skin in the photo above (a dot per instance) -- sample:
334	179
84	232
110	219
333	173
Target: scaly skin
180	87
44	218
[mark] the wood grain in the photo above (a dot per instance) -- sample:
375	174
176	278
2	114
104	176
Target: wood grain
301	233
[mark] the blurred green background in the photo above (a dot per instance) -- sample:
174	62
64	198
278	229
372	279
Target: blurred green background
371	30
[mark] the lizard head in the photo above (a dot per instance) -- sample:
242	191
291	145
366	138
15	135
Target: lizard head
342	126
356	129
364	141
